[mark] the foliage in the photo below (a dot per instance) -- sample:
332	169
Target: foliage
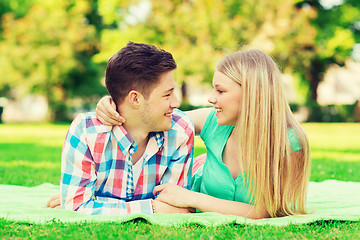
18	7
336	33
59	48
199	33
332	113
49	50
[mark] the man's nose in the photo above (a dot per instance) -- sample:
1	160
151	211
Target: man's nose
175	102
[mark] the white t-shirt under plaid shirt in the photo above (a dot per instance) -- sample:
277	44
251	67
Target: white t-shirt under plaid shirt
97	169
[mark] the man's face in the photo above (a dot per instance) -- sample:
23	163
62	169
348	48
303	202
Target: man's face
157	109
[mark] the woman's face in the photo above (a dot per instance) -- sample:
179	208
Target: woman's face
226	98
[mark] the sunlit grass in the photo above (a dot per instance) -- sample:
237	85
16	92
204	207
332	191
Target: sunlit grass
344	137
32	152
142	230
336	156
30	155
35	165
39	134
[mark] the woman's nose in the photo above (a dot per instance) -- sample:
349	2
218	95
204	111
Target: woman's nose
212	99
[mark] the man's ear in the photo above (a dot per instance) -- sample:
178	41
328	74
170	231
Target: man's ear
134	97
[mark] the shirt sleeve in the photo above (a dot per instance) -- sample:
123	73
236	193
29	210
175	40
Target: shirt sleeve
209	126
78	179
197	179
293	140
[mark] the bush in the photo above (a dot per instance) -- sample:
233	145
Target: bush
332	113
187	107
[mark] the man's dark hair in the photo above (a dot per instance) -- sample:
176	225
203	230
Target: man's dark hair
137	66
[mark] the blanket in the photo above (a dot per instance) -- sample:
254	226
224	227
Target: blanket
329	200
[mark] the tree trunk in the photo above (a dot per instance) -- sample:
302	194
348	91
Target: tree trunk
357	111
184	93
316	74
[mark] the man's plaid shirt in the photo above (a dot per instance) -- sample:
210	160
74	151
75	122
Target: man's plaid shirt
96	165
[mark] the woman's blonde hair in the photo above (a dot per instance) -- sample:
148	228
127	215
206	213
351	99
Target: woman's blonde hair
276	175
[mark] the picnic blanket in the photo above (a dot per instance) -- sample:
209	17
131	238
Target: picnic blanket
330	200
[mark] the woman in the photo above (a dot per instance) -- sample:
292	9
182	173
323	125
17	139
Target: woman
257	162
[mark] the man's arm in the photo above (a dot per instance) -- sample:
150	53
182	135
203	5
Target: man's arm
79	177
198	117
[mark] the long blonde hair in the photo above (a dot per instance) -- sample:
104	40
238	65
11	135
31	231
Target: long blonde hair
276	175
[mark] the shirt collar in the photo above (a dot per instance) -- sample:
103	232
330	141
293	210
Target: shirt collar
124	140
127	143
159	139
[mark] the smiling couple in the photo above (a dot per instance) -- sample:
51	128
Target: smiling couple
257	161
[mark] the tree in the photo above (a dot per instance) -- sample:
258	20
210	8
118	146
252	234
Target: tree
338	30
19	8
49	51
199	33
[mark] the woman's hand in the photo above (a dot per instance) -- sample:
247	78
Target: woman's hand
183	198
106	112
174	195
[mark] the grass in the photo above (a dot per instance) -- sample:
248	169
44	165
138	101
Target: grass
142	230
30	155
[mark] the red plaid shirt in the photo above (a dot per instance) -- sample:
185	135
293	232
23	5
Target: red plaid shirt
96	167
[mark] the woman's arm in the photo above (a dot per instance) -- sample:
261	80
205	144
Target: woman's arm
198	117
181	197
107	114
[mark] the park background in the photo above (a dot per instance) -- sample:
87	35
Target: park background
53	55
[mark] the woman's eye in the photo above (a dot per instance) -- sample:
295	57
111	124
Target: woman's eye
219	91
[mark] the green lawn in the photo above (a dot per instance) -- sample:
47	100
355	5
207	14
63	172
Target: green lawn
30	155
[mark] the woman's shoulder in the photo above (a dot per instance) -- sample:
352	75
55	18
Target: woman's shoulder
211	127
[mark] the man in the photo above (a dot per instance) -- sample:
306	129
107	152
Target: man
113	169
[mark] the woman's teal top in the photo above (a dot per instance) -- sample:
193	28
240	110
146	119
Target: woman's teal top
214	177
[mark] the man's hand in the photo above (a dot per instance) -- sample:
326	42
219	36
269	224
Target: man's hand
162	207
54	202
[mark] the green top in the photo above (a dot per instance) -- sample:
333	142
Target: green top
214	177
